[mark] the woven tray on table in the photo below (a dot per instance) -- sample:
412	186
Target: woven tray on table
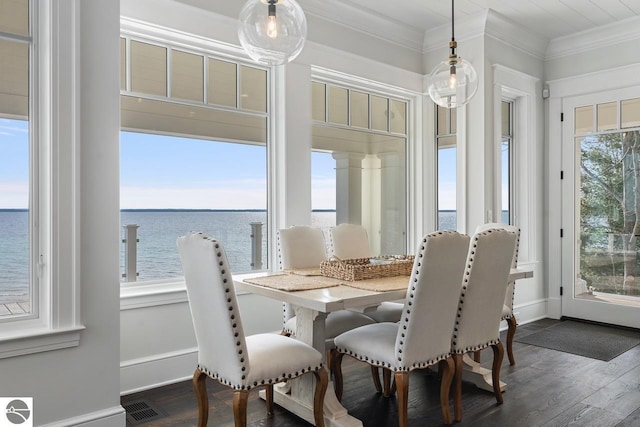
362	268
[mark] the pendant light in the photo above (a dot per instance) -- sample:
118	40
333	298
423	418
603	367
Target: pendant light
272	31
454	82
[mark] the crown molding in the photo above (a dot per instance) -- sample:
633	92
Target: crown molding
491	24
595	38
375	25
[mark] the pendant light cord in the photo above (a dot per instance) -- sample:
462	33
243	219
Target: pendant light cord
452	21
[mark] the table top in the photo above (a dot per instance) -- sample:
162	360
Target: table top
334	298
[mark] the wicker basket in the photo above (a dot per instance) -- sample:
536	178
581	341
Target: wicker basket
362	268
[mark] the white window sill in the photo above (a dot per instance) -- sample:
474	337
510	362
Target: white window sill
37	340
153	293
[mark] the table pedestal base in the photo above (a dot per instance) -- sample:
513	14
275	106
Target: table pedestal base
476	374
335	415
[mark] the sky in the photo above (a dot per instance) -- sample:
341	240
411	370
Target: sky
182	173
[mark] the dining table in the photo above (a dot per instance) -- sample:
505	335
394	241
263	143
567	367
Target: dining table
314	296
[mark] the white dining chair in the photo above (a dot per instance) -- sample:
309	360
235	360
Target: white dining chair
507	308
302	247
422	338
224	353
352	241
484	286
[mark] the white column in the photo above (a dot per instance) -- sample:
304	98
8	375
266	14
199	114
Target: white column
348	187
393	203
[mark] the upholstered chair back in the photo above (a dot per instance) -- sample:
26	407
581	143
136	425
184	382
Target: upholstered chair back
301	246
483	290
508	300
349	241
432	297
216	318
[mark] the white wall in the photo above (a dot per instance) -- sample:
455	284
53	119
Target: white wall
80	385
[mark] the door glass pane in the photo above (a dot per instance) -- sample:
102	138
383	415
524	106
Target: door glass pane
608	116
222	84
441	118
609	208
630	112
584	119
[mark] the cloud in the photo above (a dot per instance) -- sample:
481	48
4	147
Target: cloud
14	195
231	197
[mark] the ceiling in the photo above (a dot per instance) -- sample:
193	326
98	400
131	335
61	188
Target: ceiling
546	18
407	22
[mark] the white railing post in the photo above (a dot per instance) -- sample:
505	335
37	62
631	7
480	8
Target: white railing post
256	245
130	252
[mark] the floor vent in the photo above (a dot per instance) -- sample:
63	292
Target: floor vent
140	412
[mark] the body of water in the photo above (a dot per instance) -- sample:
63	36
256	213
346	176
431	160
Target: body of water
157	253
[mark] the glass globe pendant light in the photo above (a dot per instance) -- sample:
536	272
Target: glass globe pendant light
454	82
272	31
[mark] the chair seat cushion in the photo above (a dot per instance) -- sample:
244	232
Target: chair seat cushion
275	357
506	312
336	323
374	343
387	312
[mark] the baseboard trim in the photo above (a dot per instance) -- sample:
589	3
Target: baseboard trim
109	417
158	370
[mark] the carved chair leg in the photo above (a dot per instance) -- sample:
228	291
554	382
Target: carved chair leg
476	356
457	387
200	387
375	374
322	381
498	355
511	333
269	398
402	384
386	381
240	398
336	361
446	369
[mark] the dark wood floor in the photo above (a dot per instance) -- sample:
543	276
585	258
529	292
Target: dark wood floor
545	388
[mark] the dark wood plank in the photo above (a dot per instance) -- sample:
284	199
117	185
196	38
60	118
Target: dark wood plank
545	388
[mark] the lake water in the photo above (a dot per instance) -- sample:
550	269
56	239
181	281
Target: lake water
157	254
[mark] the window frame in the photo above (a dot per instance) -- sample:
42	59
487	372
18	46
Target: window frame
54	135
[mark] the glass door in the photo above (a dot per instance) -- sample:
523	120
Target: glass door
601	208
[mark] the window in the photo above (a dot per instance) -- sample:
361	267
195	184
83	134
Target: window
39	175
506	163
447	168
18	286
193	157
366	135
